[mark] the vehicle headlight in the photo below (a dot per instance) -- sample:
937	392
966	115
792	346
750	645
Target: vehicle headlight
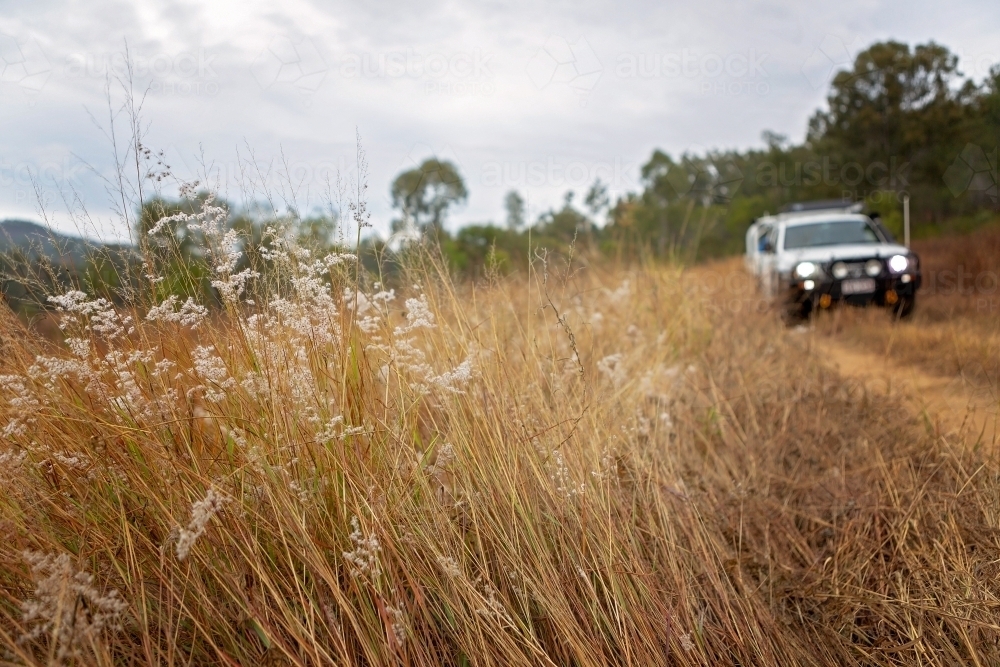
898	263
839	270
873	267
806	270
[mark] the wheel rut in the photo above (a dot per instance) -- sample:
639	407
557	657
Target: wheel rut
950	405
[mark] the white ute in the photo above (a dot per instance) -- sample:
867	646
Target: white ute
814	256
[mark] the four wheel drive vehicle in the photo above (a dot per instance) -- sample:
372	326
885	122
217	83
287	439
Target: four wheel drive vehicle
813	259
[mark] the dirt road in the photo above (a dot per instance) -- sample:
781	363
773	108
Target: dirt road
950	405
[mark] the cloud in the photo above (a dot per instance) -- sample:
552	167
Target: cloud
502	86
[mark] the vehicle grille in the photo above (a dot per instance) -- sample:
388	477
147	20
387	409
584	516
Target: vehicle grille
855	269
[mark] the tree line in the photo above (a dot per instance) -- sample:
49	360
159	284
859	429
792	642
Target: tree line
900	121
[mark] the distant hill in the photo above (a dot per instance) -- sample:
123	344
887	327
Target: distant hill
36	262
31	241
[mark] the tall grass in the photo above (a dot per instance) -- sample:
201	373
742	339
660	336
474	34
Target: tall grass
561	467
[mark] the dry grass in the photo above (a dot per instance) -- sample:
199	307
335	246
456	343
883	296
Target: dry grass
622	477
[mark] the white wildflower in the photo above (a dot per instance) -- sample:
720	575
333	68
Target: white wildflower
363	559
79	347
239	437
23	402
453	379
333	259
99	315
449	566
445	455
562	478
233	286
623	292
67	609
606	466
515	578
350	431
228	254
70	301
11	464
418	315
255	384
383	296
129	397
330	430
165	221
190	314
368	324
612	367
210	220
494	609
211	368
397	621
202	512
72	461
357	298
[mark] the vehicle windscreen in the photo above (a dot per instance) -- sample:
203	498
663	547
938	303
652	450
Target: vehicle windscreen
829	233
886	233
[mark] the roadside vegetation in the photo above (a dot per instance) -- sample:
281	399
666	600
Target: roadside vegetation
249	440
631	464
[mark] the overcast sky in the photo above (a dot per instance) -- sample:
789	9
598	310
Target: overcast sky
542	97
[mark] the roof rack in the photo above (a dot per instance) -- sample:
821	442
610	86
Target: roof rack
822	205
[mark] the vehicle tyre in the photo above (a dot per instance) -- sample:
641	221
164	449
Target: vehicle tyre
795	313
